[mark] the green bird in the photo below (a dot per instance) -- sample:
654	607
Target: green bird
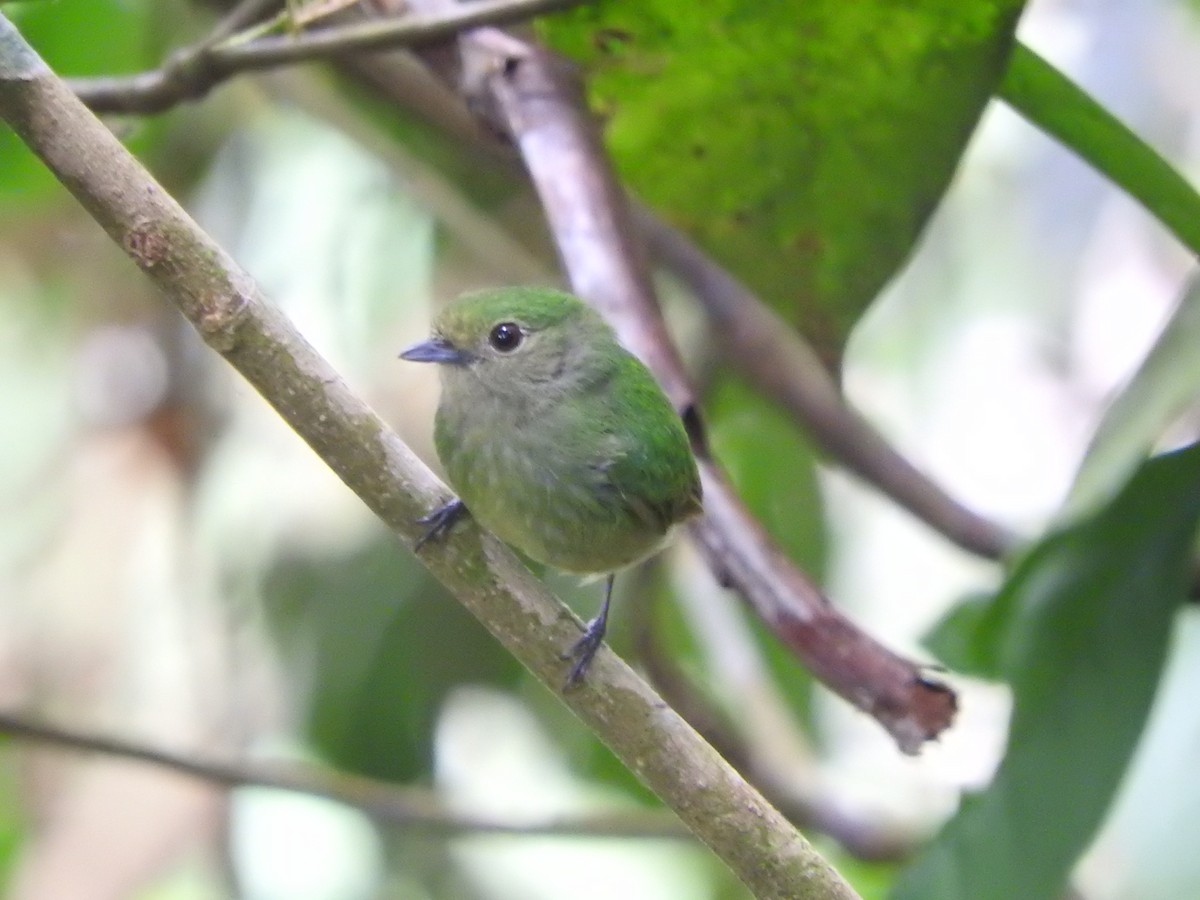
556	438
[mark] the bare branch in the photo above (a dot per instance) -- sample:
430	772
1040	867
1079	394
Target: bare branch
192	72
419	809
410	30
538	99
226	307
773	357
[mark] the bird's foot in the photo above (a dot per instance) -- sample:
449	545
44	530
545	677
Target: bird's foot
583	650
440	521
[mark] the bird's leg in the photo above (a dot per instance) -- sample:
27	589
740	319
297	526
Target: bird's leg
585	648
440	521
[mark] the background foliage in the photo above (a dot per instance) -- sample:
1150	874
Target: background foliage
176	566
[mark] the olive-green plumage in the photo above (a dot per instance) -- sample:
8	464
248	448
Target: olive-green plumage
556	438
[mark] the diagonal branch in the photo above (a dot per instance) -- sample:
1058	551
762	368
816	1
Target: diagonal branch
227	309
192	72
419	809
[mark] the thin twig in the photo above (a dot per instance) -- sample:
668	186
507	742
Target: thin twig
537	98
293	19
225	306
411	808
242	16
192	72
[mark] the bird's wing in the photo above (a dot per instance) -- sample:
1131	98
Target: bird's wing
647	462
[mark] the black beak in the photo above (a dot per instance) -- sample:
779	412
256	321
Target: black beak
436	350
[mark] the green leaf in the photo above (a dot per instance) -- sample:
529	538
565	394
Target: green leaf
1085	619
76	38
967	637
804	145
381	643
15	828
1063	110
119	37
1166	384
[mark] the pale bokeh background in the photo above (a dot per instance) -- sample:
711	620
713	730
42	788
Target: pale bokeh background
138	546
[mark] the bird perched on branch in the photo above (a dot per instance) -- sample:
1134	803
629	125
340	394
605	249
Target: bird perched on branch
556	438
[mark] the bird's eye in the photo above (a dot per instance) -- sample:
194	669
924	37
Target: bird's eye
506	337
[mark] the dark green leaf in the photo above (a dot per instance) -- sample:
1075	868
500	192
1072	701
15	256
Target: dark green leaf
967	638
77	38
1084	619
802	144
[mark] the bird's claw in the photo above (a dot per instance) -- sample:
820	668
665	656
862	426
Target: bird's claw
440	521
583	650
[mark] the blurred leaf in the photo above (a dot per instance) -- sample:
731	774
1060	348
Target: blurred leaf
1059	107
14	827
382	643
1165	385
119	36
1151	821
81	38
968	637
24	182
586	754
871	880
804	145
1081	633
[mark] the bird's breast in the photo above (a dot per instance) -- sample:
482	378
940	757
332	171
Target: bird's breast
538	486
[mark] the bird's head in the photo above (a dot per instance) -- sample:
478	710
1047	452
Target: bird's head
513	341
